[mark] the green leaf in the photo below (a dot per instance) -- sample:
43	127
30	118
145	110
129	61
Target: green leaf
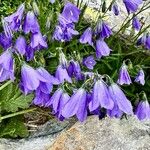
14	127
11	99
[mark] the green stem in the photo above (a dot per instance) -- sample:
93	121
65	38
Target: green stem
4	85
17	113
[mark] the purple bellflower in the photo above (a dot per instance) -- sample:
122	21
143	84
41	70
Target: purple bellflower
46	87
140	77
40	98
147	43
62	74
89	62
142	40
101	97
71	12
6	66
29	53
14	20
143	110
5	41
103	29
120	99
115	9
38	41
86	37
124	77
21	45
132	5
30	79
31	23
77	105
115	112
74	70
102	48
136	24
54	99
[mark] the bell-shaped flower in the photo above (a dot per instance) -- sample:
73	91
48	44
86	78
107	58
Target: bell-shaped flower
143	110
40	98
89	62
5	42
102	48
74	70
77	105
31	23
100	97
103	29
86	37
6	66
55	97
38	41
14	20
115	112
132	5
115	9
62	74
120	99
21	45
136	23
140	77
29	53
30	79
124	77
71	12
147	42
46	87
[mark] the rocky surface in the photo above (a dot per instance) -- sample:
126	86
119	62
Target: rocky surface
39	140
106	134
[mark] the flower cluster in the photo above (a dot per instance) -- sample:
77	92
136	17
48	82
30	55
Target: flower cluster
71	90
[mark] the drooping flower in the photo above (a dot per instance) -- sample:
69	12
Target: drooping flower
143	110
120	99
14	20
89	62
103	29
37	41
6	66
21	45
57	102
132	5
29	53
46	87
147	43
136	23
30	79
5	41
140	77
86	37
62	74
74	70
115	112
115	9
71	12
7	29
100	97
142	40
41	98
124	77
102	48
62	59
54	99
31	23
77	105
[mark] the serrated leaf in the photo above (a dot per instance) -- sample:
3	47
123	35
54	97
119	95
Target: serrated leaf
11	99
14	128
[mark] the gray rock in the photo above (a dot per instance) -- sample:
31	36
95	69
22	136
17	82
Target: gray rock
106	134
39	140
